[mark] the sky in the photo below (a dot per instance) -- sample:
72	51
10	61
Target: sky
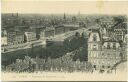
71	7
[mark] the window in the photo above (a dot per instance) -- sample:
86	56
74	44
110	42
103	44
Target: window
94	66
108	46
114	45
94	47
102	66
94	37
102	56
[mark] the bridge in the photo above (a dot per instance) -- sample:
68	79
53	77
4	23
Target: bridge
62	37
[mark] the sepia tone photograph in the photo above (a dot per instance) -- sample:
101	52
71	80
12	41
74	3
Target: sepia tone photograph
64	40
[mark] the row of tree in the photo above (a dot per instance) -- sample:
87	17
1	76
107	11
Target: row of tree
64	63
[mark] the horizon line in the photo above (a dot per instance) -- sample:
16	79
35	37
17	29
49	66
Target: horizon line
36	13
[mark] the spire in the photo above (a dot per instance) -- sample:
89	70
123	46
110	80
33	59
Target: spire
64	16
17	14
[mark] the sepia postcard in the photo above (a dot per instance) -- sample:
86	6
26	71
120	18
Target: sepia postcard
64	40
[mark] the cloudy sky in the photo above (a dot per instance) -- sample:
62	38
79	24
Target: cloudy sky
71	7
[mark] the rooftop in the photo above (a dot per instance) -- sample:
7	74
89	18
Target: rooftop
71	25
121	26
49	28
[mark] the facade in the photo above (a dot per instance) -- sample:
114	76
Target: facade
120	30
42	34
30	36
125	47
70	27
59	30
39	30
3	40
103	53
13	40
4	37
49	31
15	37
111	53
94	48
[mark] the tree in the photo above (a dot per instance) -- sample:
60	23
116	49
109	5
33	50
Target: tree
120	19
77	34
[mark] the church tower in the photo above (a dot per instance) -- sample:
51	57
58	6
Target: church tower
64	17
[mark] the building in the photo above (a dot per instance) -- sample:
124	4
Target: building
70	27
29	36
3	37
3	40
14	40
59	30
103	53
111	53
94	48
11	20
103	32
125	47
49	31
40	33
39	30
120	30
15	37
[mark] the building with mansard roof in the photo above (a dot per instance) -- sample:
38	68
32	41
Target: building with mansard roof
30	36
125	47
116	31
103	52
3	37
120	30
39	30
49	31
4	40
15	37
